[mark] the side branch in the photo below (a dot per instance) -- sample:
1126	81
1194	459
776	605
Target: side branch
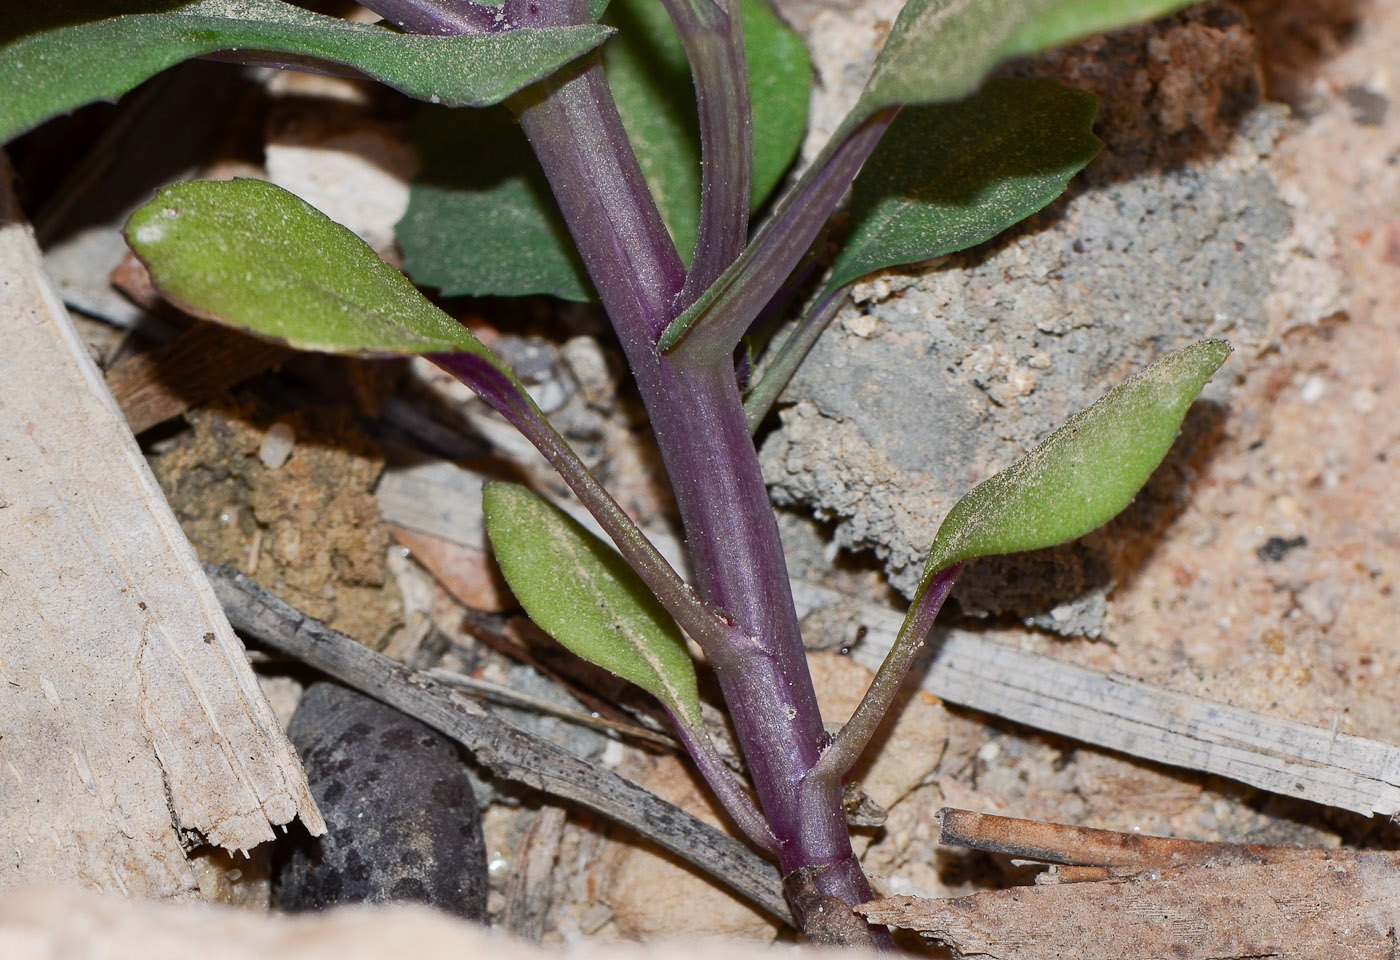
712	34
726	786
843	751
675	595
713	326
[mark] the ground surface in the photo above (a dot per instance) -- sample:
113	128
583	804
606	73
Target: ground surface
1251	189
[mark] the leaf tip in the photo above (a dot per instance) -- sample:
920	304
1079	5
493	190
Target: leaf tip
1085	472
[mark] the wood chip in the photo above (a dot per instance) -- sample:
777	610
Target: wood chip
130	723
468	573
1088	846
205	360
531	883
1129	895
1339	906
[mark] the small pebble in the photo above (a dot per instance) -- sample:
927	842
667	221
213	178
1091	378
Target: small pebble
402	822
276	446
1314	389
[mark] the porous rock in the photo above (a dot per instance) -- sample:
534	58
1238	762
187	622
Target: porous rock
401	820
937	375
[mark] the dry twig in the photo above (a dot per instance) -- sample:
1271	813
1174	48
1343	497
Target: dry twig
1159	897
503	749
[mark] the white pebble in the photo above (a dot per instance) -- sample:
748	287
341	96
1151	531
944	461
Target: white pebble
1314	388
276	446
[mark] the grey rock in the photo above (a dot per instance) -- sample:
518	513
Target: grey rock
938	375
401	821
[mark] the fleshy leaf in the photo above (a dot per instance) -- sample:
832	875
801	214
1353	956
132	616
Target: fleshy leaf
249	254
949	176
481	220
939	50
59	55
582	593
1085	472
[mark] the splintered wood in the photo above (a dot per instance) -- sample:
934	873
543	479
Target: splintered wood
1159	897
130	723
165	382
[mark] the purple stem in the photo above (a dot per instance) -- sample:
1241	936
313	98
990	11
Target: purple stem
780	244
789	357
443	18
712	34
573	125
848	745
698	418
726	786
508	399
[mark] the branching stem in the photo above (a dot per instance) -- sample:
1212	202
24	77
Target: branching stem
778	372
845	750
722	316
712	34
726	786
706	627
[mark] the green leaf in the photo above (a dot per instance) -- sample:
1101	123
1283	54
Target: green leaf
1085	472
491	227
582	593
949	176
780	86
249	254
651	83
488	227
939	50
59	55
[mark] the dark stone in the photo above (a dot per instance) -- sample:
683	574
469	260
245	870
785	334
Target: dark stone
1368	107
401	819
1276	548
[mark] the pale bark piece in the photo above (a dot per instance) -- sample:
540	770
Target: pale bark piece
531	883
1342	907
1140	719
130	723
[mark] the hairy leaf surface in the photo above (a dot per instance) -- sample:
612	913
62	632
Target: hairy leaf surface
581	592
1085	472
249	254
939	50
58	55
949	176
